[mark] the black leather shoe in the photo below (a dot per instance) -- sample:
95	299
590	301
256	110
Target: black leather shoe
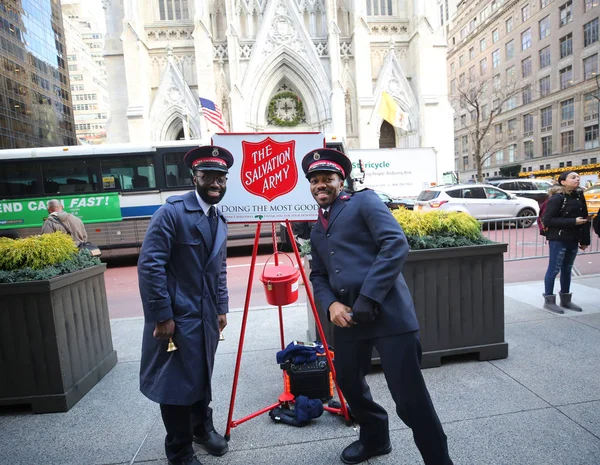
193	460
213	442
357	452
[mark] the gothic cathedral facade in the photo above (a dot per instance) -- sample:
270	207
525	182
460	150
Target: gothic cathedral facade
279	65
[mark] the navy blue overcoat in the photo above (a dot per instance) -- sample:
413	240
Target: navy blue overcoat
182	275
363	252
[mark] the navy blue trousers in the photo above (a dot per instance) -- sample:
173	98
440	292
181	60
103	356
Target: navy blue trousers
400	359
181	423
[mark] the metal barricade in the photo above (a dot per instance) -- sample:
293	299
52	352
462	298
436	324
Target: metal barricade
523	238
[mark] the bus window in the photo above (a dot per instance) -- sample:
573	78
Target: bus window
128	173
68	177
177	173
17	179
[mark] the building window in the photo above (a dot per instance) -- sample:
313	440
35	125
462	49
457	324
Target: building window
497	82
593	160
545	57
510	49
528	149
527	124
511	103
589	4
483	66
584	161
545	27
465	144
590	66
526	95
566	77
509	25
465	162
525	13
561	164
453	86
495	36
495	58
591	136
461	60
569	163
441	15
471	53
590	32
510	74
546	146
452	67
472	73
566	141
482	45
512	151
545	86
546	117
566	13
463	120
485	111
566	45
498	131
567	112
512	129
178	9
461	79
544	3
526	39
590	106
456	148
526	67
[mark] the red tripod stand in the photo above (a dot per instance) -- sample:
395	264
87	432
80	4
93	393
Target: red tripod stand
286	397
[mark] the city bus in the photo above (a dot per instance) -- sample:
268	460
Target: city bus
113	188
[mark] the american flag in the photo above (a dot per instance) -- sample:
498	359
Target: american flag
213	114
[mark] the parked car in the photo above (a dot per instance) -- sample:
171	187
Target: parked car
536	189
481	201
592	198
394	204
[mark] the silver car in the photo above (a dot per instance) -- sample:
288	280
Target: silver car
481	201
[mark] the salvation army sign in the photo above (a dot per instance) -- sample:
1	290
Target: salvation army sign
269	168
266	182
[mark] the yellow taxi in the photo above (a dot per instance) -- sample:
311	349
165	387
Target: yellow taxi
592	198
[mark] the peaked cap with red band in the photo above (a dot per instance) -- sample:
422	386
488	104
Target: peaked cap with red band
209	158
326	160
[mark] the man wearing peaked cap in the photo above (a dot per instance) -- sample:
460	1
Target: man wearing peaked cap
183	285
326	160
358	251
208	158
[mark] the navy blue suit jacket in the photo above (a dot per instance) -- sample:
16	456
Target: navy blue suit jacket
363	252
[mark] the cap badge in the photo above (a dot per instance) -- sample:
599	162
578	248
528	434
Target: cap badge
215	152
316	156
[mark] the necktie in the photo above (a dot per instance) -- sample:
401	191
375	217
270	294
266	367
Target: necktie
213	219
324	217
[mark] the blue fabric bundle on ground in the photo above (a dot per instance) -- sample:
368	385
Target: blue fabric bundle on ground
305	410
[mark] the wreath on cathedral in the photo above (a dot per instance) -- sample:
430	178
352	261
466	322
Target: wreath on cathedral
285	109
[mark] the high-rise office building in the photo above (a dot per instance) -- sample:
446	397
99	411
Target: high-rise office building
35	99
549	50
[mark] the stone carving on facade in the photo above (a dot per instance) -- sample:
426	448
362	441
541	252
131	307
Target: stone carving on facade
345	49
181	33
283	32
246	50
322	49
220	52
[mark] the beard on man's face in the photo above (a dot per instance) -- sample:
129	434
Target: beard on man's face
212	195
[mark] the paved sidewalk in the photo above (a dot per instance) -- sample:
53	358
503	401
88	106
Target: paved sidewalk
541	405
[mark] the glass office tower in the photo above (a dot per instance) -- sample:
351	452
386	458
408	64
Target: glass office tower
35	97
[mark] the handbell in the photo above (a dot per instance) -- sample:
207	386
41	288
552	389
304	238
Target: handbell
171	347
221	337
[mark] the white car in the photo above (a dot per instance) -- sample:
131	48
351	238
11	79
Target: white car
482	201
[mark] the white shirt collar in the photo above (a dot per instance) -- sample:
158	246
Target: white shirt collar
205	206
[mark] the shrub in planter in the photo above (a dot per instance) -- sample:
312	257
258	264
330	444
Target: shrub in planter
55	338
42	257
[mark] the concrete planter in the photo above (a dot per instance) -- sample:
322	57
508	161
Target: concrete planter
459	300
55	340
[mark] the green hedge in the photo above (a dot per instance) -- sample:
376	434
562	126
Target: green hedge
41	257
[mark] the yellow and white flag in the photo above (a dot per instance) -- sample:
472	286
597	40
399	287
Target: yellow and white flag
391	112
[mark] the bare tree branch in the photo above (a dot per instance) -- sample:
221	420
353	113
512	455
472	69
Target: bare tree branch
473	96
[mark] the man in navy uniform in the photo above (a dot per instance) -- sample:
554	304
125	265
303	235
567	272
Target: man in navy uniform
183	284
358	251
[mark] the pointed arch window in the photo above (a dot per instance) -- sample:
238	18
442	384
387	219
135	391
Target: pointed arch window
379	8
171	10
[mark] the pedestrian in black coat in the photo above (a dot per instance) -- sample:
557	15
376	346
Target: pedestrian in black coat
566	218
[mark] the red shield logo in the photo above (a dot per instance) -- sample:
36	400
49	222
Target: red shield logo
269	168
